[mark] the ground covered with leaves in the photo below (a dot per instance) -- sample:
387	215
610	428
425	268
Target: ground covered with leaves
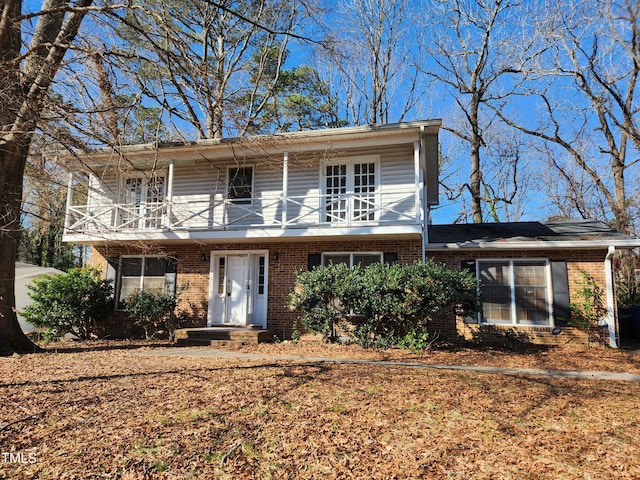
114	411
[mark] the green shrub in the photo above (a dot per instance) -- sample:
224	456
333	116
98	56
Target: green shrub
153	311
389	304
75	302
398	301
323	295
417	340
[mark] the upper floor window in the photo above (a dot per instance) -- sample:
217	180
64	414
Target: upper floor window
350	191
240	186
142	200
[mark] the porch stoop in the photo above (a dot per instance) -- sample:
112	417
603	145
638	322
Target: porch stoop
222	336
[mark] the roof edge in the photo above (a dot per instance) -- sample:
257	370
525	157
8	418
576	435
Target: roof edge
309	135
536	245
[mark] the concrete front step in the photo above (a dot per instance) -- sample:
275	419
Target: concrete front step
222	336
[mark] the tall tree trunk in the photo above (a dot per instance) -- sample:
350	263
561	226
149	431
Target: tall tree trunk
476	172
23	88
13	156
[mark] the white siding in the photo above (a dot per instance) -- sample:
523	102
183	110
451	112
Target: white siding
197	192
200	189
304	182
397	183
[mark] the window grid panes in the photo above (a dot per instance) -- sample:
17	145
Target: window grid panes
364	188
336	189
496	292
141	273
530	294
142	201
261	275
154	202
221	278
515	292
240	184
351	259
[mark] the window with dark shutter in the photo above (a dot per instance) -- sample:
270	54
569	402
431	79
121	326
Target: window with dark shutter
560	280
314	260
515	291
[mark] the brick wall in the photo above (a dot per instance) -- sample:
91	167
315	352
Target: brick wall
589	261
193	272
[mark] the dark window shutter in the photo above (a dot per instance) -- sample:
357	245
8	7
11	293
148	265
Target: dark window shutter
469	266
560	279
112	268
172	264
113	264
314	260
390	257
170	275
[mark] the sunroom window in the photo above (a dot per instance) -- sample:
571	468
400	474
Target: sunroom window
515	292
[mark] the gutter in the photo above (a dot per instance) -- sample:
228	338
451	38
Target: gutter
611	316
535	245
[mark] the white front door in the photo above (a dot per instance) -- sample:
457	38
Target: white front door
237	289
238	283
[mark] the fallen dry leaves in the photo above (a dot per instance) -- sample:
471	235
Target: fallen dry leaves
115	412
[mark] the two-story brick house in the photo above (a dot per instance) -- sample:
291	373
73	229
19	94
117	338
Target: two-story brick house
231	221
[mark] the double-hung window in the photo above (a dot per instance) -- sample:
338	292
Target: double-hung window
240	185
149	273
350	191
515	291
364	259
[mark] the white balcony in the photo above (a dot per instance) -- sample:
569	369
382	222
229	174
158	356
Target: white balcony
278	213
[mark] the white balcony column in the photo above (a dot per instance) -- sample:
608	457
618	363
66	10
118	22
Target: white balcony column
169	200
417	180
285	189
67	217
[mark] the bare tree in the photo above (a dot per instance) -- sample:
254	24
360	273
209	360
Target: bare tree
480	49
375	53
587	104
28	71
213	66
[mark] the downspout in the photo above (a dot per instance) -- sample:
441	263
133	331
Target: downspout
611	317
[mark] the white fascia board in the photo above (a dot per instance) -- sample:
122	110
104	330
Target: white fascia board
254	234
533	245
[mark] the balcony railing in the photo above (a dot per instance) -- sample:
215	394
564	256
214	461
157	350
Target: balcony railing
380	208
